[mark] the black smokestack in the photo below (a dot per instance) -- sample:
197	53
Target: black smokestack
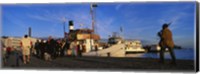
71	26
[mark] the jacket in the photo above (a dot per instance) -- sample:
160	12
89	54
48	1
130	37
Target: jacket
166	38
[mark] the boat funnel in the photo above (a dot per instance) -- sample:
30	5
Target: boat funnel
71	26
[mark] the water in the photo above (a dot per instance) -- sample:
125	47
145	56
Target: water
186	54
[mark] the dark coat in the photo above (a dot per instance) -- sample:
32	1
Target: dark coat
51	46
166	38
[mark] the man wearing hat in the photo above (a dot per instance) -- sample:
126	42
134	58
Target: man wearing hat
166	42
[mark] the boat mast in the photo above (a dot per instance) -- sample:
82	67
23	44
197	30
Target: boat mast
92	12
92	7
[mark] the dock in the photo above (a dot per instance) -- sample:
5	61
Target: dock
100	63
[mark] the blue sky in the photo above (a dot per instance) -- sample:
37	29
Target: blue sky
139	20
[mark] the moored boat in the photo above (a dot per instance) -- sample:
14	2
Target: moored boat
134	46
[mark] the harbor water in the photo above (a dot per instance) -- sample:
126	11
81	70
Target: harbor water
184	54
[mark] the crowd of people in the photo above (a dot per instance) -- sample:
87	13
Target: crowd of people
43	49
54	48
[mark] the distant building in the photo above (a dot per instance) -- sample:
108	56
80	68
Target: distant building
14	42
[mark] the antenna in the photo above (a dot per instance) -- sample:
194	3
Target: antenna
64	21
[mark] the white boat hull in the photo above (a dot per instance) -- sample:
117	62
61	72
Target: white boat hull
116	50
131	50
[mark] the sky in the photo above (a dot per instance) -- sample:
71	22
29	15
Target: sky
141	20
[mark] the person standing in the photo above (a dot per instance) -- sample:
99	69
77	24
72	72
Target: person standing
26	45
63	47
3	49
51	47
73	47
166	41
37	48
43	48
8	46
79	50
